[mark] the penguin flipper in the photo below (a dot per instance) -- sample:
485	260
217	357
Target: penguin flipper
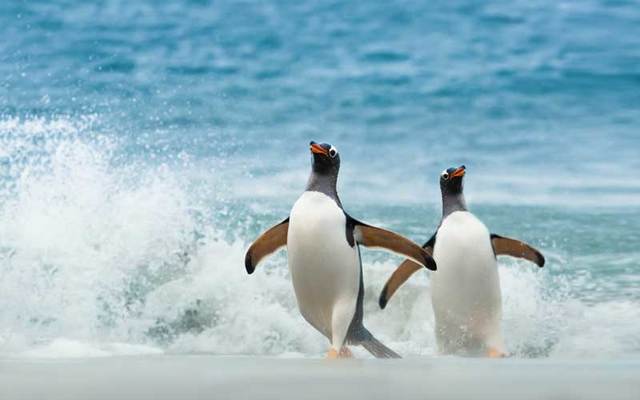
515	248
267	243
399	276
402	274
371	236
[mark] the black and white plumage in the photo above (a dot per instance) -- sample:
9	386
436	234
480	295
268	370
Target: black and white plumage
322	242
465	292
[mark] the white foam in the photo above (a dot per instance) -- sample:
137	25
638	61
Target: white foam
102	257
65	348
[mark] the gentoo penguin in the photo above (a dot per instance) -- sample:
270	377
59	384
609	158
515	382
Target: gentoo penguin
322	243
465	293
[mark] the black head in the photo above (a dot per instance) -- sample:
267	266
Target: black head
451	181
326	160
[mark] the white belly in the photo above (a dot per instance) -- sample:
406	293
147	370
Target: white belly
325	270
466	288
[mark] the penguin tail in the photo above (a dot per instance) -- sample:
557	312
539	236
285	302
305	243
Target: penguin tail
376	348
379	350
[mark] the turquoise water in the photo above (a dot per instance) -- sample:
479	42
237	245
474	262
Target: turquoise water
143	146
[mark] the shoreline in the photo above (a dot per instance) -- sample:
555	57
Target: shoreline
246	377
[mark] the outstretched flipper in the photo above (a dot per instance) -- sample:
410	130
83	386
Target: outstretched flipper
515	248
402	273
370	236
265	244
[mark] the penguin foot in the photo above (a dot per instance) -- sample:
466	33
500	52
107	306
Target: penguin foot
495	353
332	354
344	352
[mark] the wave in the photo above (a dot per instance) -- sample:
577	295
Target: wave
107	254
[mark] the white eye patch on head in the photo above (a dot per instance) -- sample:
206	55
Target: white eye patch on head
333	151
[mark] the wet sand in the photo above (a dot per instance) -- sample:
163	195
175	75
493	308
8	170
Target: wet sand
218	377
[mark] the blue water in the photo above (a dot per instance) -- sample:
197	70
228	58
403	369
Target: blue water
144	144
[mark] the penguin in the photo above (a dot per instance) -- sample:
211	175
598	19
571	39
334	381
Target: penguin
465	293
323	250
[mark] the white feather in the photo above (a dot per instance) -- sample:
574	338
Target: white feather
325	269
465	290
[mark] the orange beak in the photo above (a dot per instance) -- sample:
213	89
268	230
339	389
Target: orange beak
459	172
317	149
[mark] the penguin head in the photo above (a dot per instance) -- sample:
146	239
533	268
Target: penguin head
326	160
451	180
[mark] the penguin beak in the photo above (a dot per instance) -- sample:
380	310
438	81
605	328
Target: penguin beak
317	149
459	172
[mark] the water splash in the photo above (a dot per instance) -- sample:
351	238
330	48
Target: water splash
102	255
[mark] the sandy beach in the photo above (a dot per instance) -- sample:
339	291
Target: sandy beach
218	377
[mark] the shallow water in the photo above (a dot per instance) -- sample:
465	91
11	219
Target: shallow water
143	146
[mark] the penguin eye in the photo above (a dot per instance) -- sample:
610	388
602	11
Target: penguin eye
333	152
445	175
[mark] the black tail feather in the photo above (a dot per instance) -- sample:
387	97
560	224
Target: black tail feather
379	350
375	347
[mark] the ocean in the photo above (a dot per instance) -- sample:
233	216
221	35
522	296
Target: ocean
144	145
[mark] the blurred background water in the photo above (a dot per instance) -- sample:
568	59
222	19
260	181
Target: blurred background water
144	145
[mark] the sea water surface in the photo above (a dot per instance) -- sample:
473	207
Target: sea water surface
145	144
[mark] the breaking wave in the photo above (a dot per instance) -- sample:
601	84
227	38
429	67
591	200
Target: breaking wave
103	253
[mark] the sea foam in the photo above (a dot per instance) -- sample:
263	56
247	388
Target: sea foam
103	255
